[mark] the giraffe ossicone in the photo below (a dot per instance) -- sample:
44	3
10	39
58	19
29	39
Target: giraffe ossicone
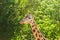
29	19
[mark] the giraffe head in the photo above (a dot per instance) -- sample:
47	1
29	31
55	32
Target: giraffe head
27	19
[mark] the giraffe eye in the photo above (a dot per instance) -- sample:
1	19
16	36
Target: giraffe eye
29	17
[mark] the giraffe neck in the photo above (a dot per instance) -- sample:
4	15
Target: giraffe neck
36	33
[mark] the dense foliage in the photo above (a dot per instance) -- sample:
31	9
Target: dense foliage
45	12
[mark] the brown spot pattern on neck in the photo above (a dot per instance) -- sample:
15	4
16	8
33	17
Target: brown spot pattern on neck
36	32
38	39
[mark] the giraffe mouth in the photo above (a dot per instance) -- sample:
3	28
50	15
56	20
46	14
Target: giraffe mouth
21	22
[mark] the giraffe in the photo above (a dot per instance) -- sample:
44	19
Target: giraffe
29	19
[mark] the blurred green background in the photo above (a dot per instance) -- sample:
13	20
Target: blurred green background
45	12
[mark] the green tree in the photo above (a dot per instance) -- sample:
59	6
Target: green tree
46	14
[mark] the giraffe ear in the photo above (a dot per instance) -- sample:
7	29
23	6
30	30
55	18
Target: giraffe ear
30	15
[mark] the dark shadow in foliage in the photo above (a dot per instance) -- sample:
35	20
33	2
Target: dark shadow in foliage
7	26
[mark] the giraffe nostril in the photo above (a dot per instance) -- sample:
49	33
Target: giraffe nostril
20	22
